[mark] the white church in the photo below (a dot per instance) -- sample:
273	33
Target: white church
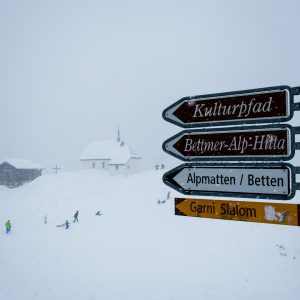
115	157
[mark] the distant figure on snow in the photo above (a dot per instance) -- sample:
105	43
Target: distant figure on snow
168	195
76	217
8	226
67	224
98	213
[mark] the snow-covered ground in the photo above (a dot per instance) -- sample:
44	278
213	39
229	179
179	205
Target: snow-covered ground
137	249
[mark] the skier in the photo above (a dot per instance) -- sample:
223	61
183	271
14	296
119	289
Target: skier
168	195
76	217
8	226
67	224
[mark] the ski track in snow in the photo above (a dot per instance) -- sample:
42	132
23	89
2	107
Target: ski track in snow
137	249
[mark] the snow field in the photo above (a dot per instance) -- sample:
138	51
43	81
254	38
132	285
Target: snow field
137	249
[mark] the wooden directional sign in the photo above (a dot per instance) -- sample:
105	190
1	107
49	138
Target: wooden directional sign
265	105
247	180
270	142
262	212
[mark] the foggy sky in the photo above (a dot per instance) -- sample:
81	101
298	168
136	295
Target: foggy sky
71	71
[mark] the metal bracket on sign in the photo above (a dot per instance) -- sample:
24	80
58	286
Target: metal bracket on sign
297	106
296	91
297	171
297	131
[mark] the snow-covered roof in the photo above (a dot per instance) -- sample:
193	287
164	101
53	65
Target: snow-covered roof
117	153
22	163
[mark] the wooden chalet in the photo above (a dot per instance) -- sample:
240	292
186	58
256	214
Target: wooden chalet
15	172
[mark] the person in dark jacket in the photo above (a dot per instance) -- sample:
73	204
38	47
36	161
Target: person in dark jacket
67	224
76	217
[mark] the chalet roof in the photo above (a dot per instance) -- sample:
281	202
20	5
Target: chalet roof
22	163
116	152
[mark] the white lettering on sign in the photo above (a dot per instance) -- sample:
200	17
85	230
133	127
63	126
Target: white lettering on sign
242	110
237	143
203	146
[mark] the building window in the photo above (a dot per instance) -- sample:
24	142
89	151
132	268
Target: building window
94	165
103	165
117	167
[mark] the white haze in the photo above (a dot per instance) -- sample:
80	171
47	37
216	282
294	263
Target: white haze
71	71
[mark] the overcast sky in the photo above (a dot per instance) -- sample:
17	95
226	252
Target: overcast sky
71	71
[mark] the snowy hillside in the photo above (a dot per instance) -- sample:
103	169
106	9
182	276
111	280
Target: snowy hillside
137	249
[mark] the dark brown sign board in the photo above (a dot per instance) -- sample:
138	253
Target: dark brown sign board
260	143
243	180
261	212
264	105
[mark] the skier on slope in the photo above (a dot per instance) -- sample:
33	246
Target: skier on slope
76	216
8	226
168	195
67	224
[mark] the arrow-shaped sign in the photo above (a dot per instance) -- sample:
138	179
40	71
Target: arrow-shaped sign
270	142
265	105
247	180
262	212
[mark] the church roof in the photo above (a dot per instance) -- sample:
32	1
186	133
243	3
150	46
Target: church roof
117	153
22	163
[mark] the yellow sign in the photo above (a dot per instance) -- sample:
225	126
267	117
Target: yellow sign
261	212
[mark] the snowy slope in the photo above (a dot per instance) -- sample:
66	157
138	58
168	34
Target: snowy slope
137	249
